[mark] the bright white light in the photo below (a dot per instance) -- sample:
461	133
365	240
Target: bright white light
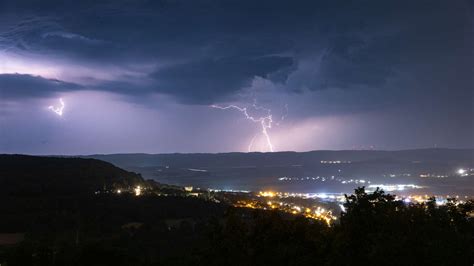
58	110
322	195
138	191
399	187
342	207
462	171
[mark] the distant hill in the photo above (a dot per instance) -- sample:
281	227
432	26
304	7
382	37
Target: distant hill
257	171
34	175
239	159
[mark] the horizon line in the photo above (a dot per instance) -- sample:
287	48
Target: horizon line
233	152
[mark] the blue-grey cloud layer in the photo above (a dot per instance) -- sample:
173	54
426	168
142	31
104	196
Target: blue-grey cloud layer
396	59
210	49
14	86
206	80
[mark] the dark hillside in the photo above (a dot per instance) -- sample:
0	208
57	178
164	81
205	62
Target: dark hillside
33	175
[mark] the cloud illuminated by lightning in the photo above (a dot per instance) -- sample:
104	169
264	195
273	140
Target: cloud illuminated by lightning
265	121
283	115
58	110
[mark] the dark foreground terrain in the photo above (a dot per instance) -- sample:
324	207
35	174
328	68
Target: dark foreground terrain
71	211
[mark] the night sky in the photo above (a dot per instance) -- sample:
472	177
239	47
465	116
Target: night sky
175	76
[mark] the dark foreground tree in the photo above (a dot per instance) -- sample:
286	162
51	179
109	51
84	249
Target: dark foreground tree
376	229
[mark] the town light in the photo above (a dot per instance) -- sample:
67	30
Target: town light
462	171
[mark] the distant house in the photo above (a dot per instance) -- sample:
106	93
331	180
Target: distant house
10	239
132	226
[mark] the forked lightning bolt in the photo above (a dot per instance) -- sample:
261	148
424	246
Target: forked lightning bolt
265	121
58	110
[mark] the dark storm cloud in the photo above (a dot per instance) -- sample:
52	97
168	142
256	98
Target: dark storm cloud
209	50
14	86
208	80
397	73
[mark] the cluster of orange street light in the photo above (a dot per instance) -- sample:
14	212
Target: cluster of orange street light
316	213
